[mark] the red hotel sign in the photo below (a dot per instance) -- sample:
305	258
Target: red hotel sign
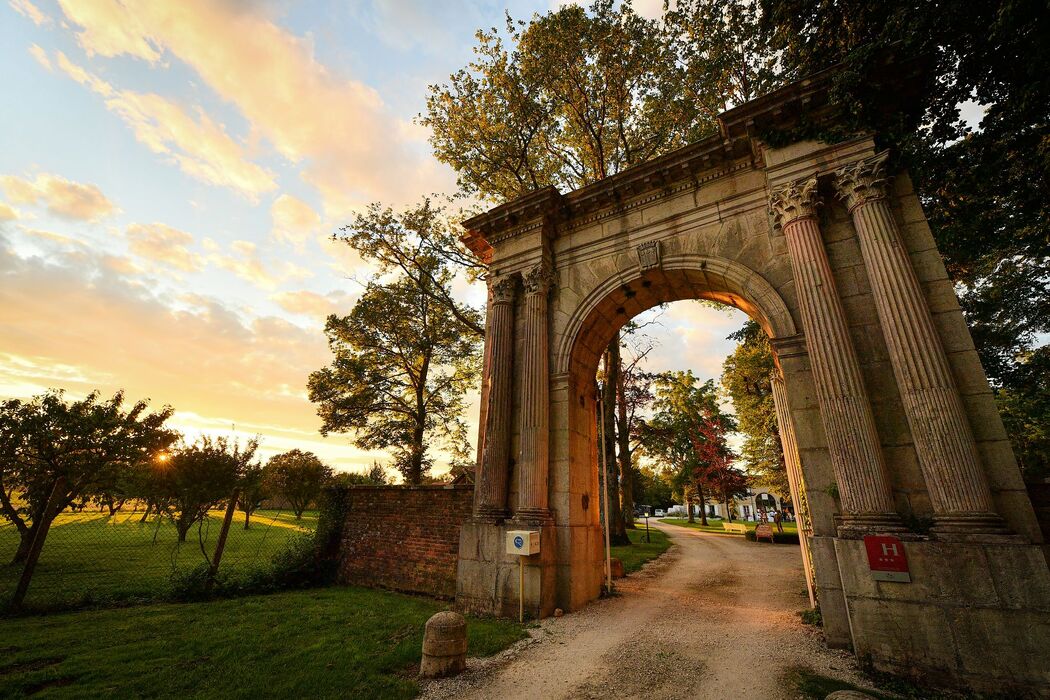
886	558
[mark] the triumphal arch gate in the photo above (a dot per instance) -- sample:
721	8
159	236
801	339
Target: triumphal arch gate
888	423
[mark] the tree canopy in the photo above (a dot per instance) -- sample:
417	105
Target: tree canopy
77	446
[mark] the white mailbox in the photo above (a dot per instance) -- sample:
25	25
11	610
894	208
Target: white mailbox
523	542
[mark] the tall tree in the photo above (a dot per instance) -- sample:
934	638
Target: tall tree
198	477
401	368
688	431
298	476
47	441
254	490
745	377
614	504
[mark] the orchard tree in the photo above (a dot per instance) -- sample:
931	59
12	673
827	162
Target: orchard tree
401	368
77	446
197	478
746	378
298	476
254	489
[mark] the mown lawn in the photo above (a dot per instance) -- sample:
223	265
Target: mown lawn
716	525
332	642
635	555
94	558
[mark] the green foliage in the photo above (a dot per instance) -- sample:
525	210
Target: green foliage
688	432
198	477
652	486
778	537
1025	408
746	378
811	616
298	476
639	552
254	489
401	369
420	243
84	445
333	642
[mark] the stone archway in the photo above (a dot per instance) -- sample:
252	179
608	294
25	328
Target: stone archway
888	423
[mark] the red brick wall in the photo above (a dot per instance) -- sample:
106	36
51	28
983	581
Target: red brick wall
404	538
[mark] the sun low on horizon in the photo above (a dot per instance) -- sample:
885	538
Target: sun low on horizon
171	177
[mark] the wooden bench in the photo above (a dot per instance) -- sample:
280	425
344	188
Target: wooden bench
738	528
764	530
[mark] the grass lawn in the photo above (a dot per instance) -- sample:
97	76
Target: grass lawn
331	642
639	551
90	557
716	525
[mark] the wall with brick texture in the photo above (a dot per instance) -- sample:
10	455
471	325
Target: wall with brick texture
403	538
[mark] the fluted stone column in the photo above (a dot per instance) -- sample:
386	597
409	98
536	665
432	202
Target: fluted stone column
943	438
535	398
844	406
495	460
796	482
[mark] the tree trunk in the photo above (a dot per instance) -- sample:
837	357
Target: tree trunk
617	531
247	515
623	438
183	526
703	508
24	543
689	505
149	507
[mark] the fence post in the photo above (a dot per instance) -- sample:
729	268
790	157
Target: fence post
221	543
38	543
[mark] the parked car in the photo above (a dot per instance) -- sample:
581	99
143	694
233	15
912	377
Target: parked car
660	512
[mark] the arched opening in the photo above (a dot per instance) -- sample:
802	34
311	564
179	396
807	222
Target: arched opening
599	316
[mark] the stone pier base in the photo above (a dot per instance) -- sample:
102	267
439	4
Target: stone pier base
975	616
487	579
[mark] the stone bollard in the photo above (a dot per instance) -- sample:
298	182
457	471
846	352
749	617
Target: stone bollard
616	568
444	645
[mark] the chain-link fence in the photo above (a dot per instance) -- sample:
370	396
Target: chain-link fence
94	557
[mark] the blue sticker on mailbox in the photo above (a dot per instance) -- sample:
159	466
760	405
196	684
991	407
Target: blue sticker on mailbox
519	541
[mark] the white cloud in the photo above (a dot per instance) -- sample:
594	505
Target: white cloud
243	260
314	305
62	197
7	212
197	144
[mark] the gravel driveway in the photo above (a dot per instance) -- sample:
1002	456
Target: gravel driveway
715	617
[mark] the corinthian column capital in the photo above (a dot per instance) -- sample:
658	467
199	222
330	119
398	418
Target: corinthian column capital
502	289
862	181
795	200
539	279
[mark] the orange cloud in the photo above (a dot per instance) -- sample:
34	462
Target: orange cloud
60	196
353	147
293	220
198	145
73	323
314	305
41	57
244	261
7	212
163	244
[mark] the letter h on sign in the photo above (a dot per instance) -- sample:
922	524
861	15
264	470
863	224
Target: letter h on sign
886	558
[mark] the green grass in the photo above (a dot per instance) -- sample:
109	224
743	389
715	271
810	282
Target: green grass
91	558
639	551
813	686
332	642
716	525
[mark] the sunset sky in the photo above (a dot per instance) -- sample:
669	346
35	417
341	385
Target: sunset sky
169	177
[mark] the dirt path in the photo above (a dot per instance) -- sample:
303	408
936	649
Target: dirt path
715	617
